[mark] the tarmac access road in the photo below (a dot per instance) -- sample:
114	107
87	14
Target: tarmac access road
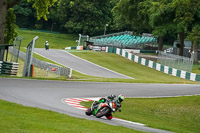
48	95
78	64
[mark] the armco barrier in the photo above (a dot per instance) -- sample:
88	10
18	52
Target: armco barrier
154	65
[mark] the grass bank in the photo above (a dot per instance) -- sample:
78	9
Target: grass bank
20	119
142	74
177	114
56	41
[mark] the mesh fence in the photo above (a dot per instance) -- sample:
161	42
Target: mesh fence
48	67
60	71
175	61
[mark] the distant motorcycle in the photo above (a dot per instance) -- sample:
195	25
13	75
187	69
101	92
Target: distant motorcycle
102	109
46	45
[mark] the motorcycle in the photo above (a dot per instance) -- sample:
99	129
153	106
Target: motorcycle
103	109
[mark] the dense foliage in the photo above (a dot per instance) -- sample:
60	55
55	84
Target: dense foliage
83	16
165	19
26	15
78	16
41	7
11	27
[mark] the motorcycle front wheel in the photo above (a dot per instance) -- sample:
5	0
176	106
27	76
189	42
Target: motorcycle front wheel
103	112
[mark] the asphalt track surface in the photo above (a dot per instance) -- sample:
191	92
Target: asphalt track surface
49	94
78	64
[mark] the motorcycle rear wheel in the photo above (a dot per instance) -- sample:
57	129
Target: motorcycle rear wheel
88	112
103	112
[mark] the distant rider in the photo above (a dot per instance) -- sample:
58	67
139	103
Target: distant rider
46	45
117	100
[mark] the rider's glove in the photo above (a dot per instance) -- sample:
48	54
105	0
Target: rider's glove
112	96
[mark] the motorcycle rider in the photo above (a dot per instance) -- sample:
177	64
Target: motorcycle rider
46	45
117	100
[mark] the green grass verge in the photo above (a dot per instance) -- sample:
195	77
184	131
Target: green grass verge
178	114
57	41
20	119
142	74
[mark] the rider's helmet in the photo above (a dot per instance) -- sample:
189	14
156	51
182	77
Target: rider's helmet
120	98
46	41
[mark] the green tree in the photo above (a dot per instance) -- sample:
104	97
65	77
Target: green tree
194	36
53	16
119	20
10	32
83	16
127	15
25	15
63	12
185	11
41	7
160	16
194	31
3	11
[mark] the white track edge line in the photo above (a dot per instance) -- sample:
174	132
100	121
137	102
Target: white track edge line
135	123
60	63
98	65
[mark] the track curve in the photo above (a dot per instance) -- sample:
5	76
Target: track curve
78	64
49	94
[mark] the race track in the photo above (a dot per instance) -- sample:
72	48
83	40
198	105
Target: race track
78	64
49	95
